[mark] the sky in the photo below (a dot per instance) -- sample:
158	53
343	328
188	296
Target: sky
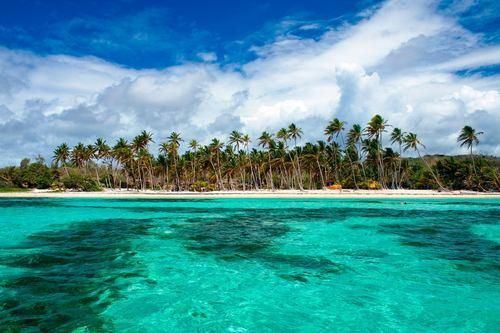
73	71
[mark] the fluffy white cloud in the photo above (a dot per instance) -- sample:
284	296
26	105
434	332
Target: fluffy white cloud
398	60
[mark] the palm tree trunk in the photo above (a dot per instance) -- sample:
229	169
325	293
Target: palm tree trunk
321	173
350	162
270	171
432	172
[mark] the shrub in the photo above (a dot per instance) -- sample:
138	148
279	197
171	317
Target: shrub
202	186
370	185
80	183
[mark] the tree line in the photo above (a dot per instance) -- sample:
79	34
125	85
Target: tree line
356	157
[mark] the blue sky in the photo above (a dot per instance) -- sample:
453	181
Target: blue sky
152	33
71	71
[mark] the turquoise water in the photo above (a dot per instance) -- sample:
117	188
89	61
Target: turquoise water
250	265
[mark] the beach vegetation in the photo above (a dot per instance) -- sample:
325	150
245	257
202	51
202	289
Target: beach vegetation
376	156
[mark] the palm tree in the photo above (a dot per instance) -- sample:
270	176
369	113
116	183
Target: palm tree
245	139
78	155
266	141
215	147
101	151
62	154
397	136
165	150
174	141
236	139
468	137
412	142
333	130
295	133
122	153
194	145
376	126
354	138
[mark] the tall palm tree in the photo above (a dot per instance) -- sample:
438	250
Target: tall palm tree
375	128
245	139
174	141
139	146
334	129
354	138
469	137
397	136
62	154
101	152
215	147
122	153
236	140
78	155
284	135
295	133
165	150
412	142
266	141
194	145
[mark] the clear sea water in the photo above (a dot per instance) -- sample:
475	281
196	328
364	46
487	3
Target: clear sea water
250	265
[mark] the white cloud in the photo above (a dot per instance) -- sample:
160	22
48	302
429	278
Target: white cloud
207	56
399	61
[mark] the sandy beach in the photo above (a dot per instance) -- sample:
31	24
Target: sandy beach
254	194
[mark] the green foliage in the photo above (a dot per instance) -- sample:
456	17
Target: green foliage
370	185
12	189
460	174
202	186
79	182
27	175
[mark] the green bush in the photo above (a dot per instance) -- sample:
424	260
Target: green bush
370	185
202	186
32	175
80	182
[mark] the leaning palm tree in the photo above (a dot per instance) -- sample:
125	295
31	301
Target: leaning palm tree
468	137
62	154
412	142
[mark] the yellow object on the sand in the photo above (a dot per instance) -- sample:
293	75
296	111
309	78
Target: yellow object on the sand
335	187
374	185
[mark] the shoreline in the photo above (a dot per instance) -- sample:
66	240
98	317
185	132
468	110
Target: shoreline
150	194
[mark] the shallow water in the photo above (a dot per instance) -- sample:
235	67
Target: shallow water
250	265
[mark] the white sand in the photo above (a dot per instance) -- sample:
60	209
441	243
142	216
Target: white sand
254	194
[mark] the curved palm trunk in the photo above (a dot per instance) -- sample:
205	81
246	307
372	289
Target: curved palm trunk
321	173
432	172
